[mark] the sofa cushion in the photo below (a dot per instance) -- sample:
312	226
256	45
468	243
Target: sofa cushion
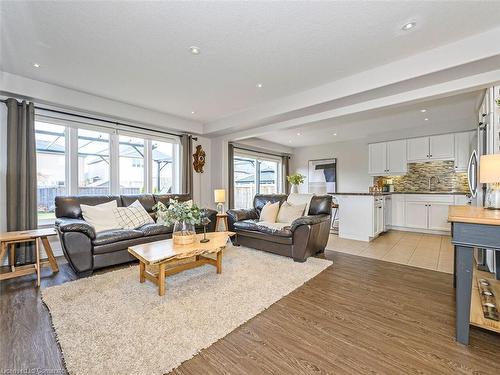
155	229
253	225
289	212
116	235
69	206
101	216
261	199
269	212
301	198
133	216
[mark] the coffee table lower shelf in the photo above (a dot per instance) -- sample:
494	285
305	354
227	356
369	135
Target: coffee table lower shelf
163	270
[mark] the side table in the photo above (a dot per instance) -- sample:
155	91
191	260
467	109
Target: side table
8	241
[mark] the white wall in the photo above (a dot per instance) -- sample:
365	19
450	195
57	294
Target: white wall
352	164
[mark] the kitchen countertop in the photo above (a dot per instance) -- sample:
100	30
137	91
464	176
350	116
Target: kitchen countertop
473	215
407	192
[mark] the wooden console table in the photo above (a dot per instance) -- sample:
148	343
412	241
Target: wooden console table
471	227
8	241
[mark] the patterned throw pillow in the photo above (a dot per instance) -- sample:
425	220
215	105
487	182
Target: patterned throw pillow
133	216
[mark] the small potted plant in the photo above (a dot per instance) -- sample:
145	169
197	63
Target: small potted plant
295	180
183	216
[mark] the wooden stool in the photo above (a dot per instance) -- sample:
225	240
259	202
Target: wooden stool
221	218
8	241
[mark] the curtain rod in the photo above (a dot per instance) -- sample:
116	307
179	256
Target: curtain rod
257	149
103	120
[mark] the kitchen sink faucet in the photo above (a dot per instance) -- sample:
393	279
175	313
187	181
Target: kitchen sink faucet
430	181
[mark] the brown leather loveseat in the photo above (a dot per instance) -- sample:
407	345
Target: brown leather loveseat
306	236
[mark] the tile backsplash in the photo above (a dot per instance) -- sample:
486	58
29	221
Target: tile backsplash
417	177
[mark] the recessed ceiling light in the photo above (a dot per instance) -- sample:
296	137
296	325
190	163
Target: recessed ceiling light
193	112
423	110
426	119
259	85
195	50
298	133
408	26
335	134
36	65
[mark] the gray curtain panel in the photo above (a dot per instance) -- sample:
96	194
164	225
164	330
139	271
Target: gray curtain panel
187	164
21	173
285	163
230	169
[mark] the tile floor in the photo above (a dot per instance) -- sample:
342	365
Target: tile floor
429	251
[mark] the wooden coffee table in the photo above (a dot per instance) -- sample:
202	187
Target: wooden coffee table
162	258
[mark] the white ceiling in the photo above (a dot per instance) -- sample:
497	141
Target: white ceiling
448	114
138	52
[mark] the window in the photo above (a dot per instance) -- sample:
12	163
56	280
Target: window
93	163
51	167
254	175
84	159
165	169
131	165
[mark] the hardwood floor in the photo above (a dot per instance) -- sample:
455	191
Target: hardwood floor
359	316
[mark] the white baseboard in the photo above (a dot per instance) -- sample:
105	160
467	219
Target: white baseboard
417	230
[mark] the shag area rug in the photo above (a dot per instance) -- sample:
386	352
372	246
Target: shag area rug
112	324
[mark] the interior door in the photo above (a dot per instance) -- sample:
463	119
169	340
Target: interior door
442	146
416	215
438	216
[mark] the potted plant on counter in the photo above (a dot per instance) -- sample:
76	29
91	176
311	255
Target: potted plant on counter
295	180
183	216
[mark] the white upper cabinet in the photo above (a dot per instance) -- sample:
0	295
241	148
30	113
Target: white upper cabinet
442	147
377	158
387	158
396	157
418	149
436	147
462	150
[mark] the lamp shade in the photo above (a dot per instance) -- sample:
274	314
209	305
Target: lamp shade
489	169
219	195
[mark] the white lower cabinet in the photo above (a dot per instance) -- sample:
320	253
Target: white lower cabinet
416	215
438	216
398	210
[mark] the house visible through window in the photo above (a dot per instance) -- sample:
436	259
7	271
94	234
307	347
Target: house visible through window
77	160
51	167
255	175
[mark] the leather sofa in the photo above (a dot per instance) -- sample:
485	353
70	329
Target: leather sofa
87	250
306	236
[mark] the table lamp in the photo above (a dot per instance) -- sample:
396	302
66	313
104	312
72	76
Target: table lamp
220	198
489	173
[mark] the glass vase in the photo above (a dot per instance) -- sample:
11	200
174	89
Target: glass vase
184	233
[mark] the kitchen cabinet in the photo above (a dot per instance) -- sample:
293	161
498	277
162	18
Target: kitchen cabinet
436	147
438	216
427	211
441	147
378	216
377	158
396	157
418	149
387	158
462	150
397	210
416	215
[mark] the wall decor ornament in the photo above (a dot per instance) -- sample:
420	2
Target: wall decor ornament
199	159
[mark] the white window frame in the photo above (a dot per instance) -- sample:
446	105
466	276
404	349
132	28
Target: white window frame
71	153
259	158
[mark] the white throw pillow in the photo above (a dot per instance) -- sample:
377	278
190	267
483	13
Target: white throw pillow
101	217
289	212
269	212
296	198
133	216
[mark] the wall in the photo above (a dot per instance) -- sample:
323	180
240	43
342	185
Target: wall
352	164
3	167
202	182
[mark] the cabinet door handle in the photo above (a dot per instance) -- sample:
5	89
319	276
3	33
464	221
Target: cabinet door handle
431	155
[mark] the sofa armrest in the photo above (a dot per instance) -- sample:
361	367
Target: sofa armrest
241	214
309	220
64	225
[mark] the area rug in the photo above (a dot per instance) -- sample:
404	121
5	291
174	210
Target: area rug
110	323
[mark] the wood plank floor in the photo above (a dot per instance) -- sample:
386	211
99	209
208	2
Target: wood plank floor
359	316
